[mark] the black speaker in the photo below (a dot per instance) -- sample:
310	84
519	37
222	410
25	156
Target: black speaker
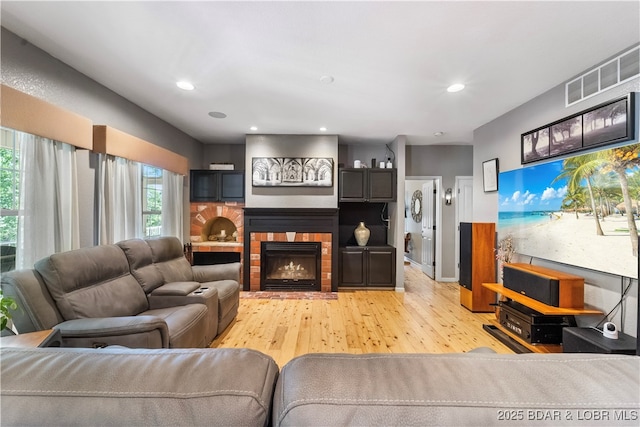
540	288
466	233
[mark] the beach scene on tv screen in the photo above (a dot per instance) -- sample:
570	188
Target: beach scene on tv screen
582	210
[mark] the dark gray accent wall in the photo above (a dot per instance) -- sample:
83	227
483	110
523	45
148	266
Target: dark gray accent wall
442	160
222	153
448	162
365	153
31	70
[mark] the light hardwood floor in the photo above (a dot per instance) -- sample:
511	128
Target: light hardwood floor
426	318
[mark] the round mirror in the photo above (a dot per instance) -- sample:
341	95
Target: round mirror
416	206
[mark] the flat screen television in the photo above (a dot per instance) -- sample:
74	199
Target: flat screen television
575	211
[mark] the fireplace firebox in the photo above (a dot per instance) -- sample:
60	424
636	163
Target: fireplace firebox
290	266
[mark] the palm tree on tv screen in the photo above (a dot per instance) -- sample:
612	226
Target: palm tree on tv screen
621	160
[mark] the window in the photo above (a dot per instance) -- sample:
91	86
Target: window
9	197
151	201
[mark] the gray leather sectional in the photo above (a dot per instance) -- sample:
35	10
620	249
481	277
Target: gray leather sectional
137	293
139	297
240	387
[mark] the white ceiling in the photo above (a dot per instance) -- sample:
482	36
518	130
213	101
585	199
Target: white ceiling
260	63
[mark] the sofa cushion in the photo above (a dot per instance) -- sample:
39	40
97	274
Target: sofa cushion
168	256
136	387
140	259
92	282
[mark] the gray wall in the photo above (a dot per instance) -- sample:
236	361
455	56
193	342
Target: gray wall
222	153
35	72
291	146
365	153
410	226
448	162
501	138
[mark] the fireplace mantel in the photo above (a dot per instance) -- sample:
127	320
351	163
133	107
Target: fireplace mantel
299	220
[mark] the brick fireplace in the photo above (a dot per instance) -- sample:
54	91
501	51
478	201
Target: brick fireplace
217	229
290	225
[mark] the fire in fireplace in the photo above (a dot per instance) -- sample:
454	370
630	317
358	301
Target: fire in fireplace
290	266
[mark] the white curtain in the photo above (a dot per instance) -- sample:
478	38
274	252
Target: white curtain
120	200
49	217
172	204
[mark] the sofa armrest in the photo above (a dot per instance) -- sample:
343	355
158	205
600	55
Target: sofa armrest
211	273
128	331
182	293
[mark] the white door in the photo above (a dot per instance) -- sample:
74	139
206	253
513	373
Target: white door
428	223
464	211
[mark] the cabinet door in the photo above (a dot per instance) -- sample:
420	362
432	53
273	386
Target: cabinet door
352	267
231	186
352	185
382	185
203	186
381	265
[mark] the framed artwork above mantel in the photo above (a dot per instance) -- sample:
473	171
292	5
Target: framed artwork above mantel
292	172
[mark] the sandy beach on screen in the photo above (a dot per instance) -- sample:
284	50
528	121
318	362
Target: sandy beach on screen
574	241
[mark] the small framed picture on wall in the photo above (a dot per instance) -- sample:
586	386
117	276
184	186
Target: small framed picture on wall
490	175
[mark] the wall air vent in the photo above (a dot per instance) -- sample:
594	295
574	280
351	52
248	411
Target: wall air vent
613	73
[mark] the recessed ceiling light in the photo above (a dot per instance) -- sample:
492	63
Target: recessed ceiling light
455	87
323	129
326	80
184	85
254	128
439	133
217	115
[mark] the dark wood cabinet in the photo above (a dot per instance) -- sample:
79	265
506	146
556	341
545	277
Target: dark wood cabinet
477	265
367	185
367	266
216	185
231	186
352	267
363	194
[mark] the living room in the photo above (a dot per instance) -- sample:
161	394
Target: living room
33	71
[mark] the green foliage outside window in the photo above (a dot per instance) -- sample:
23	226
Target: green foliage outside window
152	200
9	187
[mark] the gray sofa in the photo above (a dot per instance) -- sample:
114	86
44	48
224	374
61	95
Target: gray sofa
192	387
136	387
137	293
476	389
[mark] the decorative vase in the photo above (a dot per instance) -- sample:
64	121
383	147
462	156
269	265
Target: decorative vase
362	234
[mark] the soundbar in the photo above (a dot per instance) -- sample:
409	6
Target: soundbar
551	287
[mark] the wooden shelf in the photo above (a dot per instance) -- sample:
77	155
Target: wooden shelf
537	305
